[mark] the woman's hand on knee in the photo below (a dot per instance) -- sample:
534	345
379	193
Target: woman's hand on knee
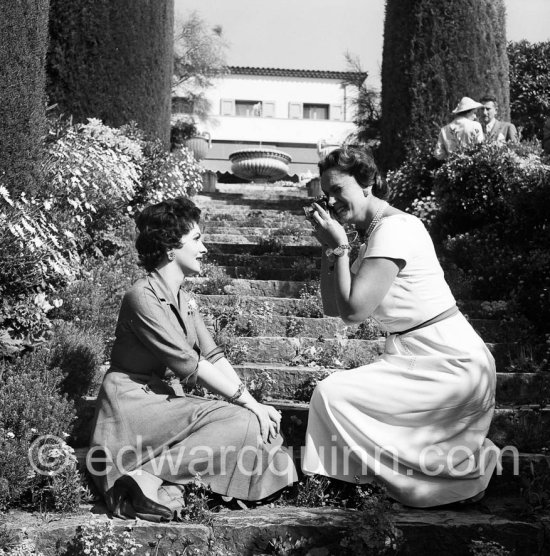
268	417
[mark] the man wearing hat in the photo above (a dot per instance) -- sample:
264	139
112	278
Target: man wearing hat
495	130
462	131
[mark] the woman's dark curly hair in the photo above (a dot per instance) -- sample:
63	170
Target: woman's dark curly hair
359	163
160	229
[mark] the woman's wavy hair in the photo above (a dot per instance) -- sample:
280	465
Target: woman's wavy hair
160	228
357	161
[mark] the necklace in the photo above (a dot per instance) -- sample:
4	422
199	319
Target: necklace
376	219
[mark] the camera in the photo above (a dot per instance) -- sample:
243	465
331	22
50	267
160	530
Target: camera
321	201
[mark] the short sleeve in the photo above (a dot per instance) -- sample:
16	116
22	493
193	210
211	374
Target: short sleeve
393	238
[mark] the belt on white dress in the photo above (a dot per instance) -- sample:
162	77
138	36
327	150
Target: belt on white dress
450	312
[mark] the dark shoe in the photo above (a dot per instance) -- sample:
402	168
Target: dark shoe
129	501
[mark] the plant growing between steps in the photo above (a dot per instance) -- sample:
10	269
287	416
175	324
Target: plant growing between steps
488	548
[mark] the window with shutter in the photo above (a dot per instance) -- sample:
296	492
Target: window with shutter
336	112
295	110
227	107
268	109
248	108
316	111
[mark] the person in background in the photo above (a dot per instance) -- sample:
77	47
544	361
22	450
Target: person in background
495	130
463	131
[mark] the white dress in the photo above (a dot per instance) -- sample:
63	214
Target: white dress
417	418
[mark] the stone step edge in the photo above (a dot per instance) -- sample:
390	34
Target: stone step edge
249	532
292	405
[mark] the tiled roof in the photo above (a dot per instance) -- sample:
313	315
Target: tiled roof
282	72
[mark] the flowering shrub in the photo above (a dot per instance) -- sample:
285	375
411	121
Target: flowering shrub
100	539
92	175
35	250
36	255
163	175
24	548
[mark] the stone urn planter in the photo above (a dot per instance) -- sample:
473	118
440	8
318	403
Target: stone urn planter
199	145
260	164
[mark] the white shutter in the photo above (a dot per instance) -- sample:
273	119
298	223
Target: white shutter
295	110
227	107
336	112
268	109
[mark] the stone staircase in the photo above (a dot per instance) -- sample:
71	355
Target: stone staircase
281	346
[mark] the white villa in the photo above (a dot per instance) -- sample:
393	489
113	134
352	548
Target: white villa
289	109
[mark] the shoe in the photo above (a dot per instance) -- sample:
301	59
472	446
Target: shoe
128	500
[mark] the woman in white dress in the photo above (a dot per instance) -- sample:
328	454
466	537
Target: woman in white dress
417	418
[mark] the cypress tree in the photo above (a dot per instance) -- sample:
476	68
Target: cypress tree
436	52
24	33
113	60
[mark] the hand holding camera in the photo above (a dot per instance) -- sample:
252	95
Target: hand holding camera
311	209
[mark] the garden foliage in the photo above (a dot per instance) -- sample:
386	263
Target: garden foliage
487	208
435	53
97	177
32	406
529	86
24	32
112	61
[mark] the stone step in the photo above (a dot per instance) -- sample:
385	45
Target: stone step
263	273
250	227
264	321
259	191
285	262
447	530
308	306
275	210
521	427
329	352
263	288
284	319
235	229
297	251
277	381
259	239
252	220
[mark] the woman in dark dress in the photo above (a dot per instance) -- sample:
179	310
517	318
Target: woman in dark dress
147	431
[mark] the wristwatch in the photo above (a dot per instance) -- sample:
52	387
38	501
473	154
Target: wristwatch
337	251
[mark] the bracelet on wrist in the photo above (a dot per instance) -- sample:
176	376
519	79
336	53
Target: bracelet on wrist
237	394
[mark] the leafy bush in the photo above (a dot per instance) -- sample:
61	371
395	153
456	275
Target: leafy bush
92	174
487	209
163	175
31	406
100	538
529	86
79	353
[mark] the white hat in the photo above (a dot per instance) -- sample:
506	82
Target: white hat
466	104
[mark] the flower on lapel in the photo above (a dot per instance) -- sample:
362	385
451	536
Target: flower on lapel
192	304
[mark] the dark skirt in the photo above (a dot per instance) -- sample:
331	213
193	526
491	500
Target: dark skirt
141	424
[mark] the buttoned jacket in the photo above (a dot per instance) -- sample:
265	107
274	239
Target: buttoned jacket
157	334
502	132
